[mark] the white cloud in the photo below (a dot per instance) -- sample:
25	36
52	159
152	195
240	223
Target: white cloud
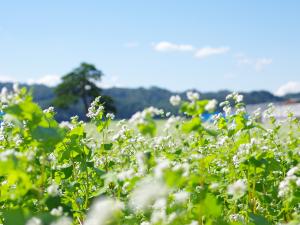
49	80
165	46
209	51
242	59
261	63
4	78
289	87
53	80
132	44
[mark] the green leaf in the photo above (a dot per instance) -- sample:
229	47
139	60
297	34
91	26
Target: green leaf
107	146
192	125
14	217
67	171
211	206
53	202
258	219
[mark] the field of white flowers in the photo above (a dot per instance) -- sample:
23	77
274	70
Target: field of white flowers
232	170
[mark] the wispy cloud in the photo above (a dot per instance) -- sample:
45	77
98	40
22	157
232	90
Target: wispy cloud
200	53
257	63
210	51
243	59
165	46
289	87
49	80
261	63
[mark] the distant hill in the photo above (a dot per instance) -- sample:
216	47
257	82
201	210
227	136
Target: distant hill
294	96
131	100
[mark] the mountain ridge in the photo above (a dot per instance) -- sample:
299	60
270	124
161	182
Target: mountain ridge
131	100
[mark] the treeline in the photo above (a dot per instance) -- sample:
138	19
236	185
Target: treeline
130	100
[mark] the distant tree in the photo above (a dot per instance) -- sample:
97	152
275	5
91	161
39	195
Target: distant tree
81	84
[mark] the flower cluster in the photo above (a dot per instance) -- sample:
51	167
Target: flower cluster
96	109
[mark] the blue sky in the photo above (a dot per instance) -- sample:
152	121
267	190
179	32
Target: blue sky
175	44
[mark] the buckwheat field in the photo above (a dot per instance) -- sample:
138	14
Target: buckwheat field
232	169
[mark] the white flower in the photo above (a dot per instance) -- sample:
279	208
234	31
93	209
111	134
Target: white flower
211	105
34	221
140	159
125	174
66	124
110	116
4	91
2	137
103	211
185	167
257	112
230	96
6	154
214	186
16	87
53	190
146	193
159	211
241	110
236	96
152	111
160	203
49	110
95	109
4	95
175	100
239	98
227	110
62	221
292	171
121	134
160	167
137	118
236	218
145	223
237	189
222	140
18	140
171	121
171	217
194	222
57	211
284	186
192	96
158	216
181	196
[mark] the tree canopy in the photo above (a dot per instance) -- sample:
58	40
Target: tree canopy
81	85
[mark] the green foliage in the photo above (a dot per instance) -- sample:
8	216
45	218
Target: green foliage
233	170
